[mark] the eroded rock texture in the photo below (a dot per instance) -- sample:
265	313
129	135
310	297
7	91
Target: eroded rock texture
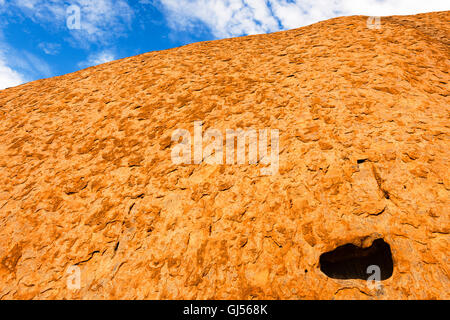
86	176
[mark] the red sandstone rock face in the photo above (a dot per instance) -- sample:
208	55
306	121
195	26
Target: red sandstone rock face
86	176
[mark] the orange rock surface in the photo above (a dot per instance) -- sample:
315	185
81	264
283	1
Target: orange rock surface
87	180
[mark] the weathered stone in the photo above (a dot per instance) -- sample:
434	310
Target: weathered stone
87	180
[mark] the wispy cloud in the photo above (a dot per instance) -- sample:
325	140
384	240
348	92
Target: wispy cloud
50	48
97	58
19	66
8	76
100	21
222	18
24	63
228	18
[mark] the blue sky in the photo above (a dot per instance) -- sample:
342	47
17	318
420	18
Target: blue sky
45	38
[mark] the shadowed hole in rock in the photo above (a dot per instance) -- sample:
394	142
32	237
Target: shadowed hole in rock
352	262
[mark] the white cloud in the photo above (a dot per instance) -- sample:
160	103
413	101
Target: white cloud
228	18
16	67
30	63
223	18
8	76
97	58
50	48
19	66
101	20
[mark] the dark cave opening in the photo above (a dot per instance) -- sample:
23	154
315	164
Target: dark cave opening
352	262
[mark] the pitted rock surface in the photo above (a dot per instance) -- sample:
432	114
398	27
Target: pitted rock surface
87	180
